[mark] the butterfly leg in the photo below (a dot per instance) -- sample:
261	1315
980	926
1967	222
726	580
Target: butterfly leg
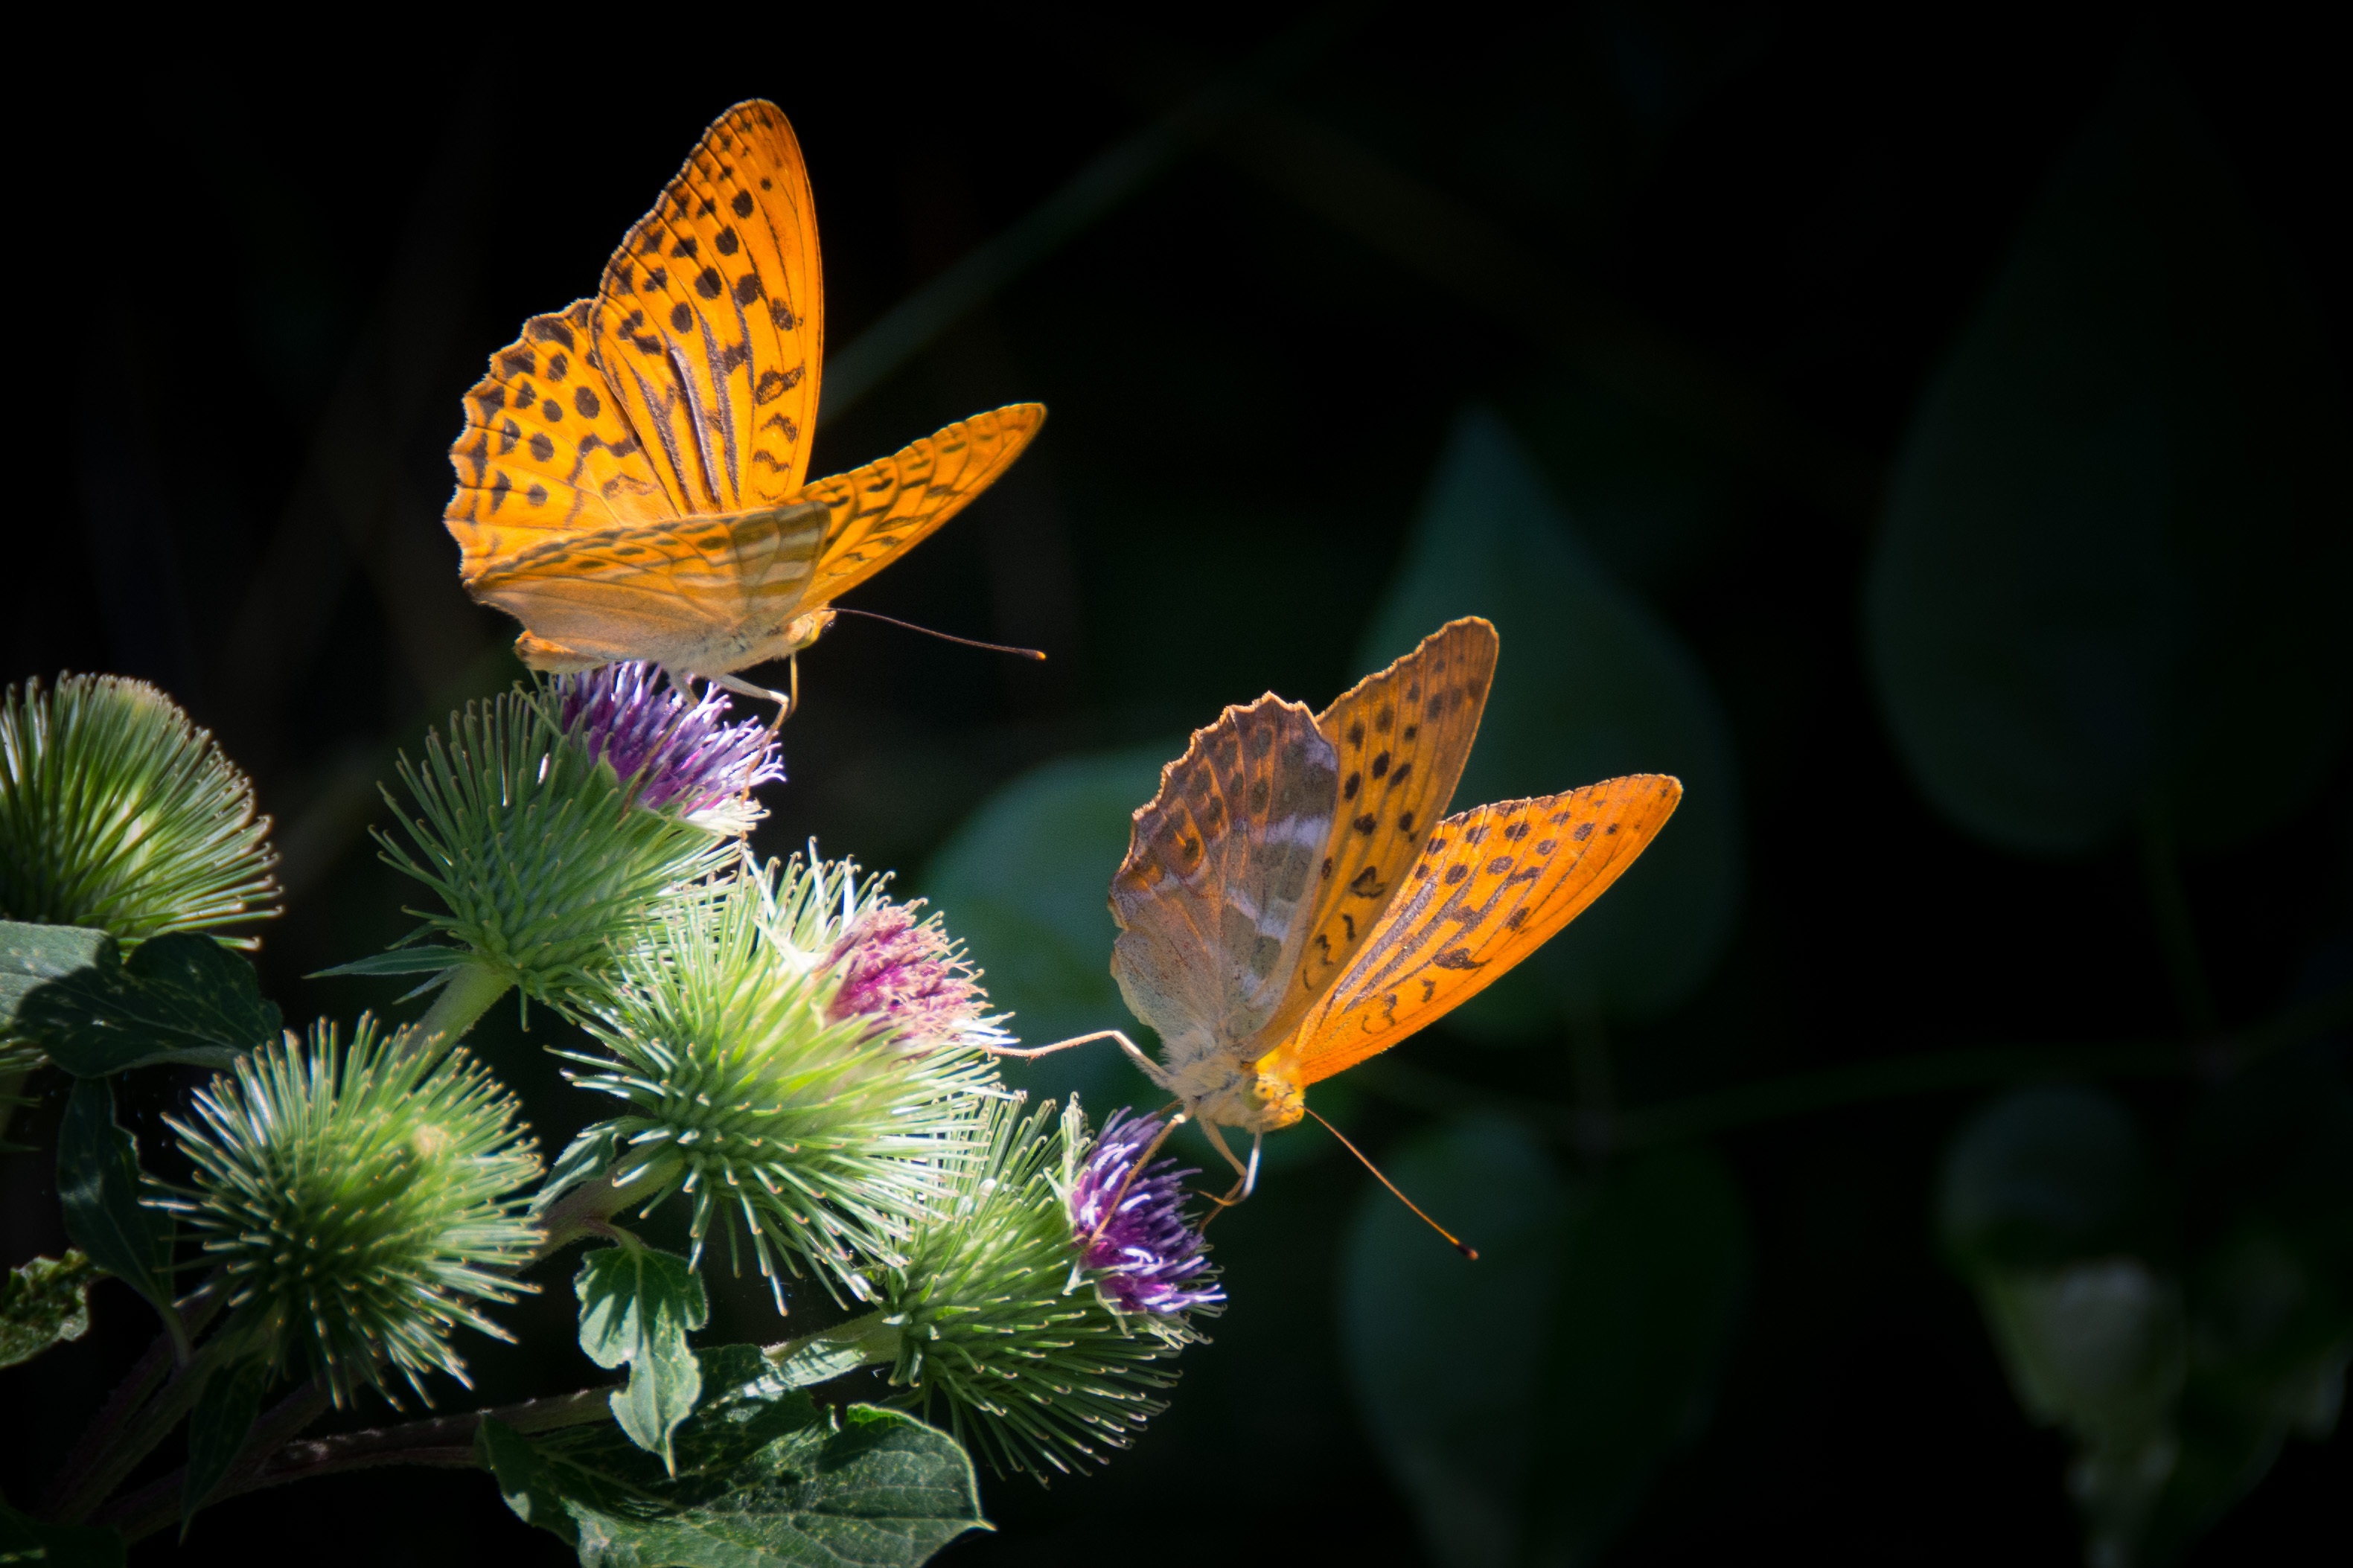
1149	1068
785	702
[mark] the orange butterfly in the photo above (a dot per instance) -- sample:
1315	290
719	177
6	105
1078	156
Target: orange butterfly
1291	903
630	477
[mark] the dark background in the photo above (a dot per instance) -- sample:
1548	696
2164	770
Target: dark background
275	274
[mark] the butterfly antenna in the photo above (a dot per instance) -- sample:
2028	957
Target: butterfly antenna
944	636
1460	1246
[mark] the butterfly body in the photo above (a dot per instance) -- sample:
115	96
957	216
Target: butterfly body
631	479
1294	901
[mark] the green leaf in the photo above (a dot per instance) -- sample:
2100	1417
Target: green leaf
45	1302
401	960
33	955
637	1307
764	1479
2116	554
217	1428
180	998
23	1539
1025	883
2043	1177
1525	1400
1591	684
98	1187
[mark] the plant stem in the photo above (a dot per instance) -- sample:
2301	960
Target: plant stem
195	1310
136	1438
587	1208
13	1079
1861	1083
446	1441
828	1352
465	997
2169	902
1798	1095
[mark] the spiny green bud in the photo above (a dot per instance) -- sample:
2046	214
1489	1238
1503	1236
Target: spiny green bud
360	1202
118	814
545	860
1000	1316
828	1135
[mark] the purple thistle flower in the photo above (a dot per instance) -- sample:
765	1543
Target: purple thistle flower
686	756
1152	1260
908	977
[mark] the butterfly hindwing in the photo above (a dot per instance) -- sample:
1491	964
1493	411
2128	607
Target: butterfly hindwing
882	510
1492	887
1401	737
710	321
1213	898
679	594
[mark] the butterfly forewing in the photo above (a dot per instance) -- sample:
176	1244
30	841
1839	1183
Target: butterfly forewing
1212	899
710	321
883	510
1401	737
547	451
1493	886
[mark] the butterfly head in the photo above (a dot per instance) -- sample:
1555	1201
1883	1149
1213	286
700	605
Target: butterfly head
803	630
1258	1097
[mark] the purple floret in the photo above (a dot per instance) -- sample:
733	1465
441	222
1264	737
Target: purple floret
692	760
1152	1260
907	976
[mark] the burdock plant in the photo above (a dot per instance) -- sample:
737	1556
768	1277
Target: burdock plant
798	1066
359	1204
814	1094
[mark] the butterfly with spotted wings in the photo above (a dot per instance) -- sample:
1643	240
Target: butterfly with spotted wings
630	476
1293	900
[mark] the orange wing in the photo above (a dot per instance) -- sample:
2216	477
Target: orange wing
1401	737
885	510
547	451
1493	887
687	386
710	323
678	593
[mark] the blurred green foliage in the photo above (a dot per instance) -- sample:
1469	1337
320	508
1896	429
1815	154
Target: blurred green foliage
2115	570
1526	1402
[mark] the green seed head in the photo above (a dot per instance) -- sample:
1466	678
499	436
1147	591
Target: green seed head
116	813
999	1317
545	863
822	1140
361	1203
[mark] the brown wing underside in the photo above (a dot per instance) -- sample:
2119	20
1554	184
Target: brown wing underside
1493	886
1219	863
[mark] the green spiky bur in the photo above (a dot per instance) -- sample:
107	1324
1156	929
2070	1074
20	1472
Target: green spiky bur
118	814
360	1202
544	863
997	1318
820	1142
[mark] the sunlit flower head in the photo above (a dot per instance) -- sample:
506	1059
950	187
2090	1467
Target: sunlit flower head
680	751
1146	1256
812	1138
360	1202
